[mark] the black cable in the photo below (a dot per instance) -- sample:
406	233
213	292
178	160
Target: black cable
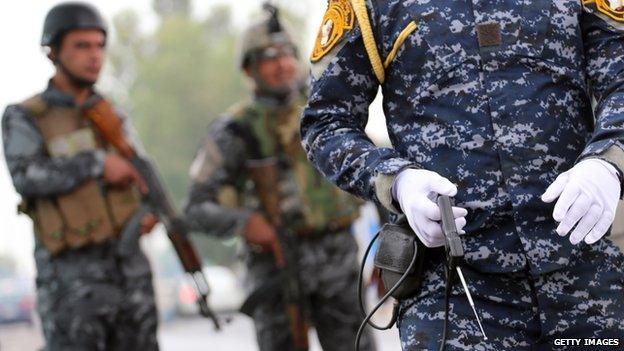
359	288
361	273
447	294
384	298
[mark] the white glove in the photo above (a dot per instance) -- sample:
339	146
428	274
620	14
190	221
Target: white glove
588	197
416	190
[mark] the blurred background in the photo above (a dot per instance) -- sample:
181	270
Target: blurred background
171	67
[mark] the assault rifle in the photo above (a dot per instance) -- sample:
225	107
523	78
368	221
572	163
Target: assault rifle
287	282
110	126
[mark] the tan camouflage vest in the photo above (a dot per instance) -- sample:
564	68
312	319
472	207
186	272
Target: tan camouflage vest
87	215
298	187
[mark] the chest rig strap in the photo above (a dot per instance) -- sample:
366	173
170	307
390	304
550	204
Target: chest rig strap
359	6
88	214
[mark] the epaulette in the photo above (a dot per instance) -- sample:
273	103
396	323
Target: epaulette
239	111
35	105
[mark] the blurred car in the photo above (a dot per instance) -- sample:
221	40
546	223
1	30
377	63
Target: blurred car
226	292
17	298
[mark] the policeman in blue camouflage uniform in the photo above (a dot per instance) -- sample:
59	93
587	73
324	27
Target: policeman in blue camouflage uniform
489	102
251	178
94	288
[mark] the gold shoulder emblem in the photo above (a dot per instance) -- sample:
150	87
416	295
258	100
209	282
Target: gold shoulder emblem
614	9
339	19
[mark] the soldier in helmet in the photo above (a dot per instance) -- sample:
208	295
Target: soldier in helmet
251	179
94	287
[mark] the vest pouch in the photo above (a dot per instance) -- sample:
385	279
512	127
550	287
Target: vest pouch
49	223
393	257
86	216
123	203
264	174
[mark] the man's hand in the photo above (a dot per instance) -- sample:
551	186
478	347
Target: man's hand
416	191
119	172
259	232
588	196
147	223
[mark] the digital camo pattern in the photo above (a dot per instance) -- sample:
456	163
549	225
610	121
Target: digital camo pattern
33	172
222	197
500	121
94	298
520	311
329	280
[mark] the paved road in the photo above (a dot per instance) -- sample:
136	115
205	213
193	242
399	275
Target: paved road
191	334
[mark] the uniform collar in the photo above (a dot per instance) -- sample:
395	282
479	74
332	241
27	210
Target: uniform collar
272	101
53	96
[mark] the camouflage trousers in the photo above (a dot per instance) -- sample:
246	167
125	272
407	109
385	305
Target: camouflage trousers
328	272
520	311
93	299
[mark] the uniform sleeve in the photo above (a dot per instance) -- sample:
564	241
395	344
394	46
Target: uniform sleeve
603	39
34	173
332	126
213	206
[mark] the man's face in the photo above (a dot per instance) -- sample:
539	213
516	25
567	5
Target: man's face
82	54
277	68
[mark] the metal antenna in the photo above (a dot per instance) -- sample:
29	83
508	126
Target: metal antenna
455	249
469	296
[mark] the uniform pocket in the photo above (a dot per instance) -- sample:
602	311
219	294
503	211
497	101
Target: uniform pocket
435	51
446	38
533	28
549	41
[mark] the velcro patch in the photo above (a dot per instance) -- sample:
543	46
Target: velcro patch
489	34
71	144
339	19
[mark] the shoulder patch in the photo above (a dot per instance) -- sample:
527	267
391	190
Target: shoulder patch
613	9
339	19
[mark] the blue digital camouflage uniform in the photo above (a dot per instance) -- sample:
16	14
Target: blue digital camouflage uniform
98	297
223	195
495	96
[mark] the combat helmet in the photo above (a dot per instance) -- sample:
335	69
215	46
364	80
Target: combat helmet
69	16
260	35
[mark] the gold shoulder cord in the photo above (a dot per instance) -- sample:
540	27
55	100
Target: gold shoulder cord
411	27
359	6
